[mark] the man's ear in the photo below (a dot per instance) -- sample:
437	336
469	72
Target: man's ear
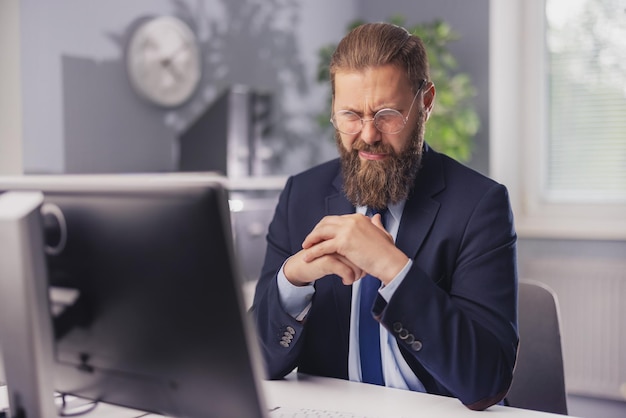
429	98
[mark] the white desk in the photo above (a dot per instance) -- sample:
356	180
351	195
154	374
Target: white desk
303	391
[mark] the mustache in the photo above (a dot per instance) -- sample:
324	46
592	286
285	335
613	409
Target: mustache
378	148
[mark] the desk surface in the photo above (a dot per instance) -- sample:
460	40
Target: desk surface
303	391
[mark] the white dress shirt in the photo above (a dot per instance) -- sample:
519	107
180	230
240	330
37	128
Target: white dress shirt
296	301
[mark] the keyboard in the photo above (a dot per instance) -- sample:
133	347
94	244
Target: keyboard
286	412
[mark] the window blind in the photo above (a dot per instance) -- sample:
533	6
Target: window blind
586	126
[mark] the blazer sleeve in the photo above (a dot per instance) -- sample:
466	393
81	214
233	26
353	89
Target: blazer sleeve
278	332
463	333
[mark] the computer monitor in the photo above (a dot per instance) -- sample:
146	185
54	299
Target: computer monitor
146	300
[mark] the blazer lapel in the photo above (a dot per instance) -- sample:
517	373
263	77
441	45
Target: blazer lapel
421	209
338	204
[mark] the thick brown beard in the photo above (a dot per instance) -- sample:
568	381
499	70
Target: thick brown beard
376	184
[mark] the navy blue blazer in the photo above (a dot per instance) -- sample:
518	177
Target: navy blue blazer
454	315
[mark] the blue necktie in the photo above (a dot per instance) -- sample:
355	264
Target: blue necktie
369	331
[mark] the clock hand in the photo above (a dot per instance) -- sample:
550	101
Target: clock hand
177	75
167	62
176	68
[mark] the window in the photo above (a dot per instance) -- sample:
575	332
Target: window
558	119
586	74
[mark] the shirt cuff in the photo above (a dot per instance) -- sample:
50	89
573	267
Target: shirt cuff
296	300
387	291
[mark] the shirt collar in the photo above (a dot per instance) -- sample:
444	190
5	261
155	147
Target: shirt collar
394	210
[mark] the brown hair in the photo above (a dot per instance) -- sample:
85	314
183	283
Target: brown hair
378	44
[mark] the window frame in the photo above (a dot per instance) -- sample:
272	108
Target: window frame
518	121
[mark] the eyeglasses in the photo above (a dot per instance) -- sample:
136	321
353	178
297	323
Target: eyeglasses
387	121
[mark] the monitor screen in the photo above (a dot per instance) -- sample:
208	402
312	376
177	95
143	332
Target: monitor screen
146	302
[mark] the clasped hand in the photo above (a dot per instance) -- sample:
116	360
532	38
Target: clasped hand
349	246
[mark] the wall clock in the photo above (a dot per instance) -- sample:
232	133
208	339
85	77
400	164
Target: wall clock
163	61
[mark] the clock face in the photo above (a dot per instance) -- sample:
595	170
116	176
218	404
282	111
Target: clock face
163	61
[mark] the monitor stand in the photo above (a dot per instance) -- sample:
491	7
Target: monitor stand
25	324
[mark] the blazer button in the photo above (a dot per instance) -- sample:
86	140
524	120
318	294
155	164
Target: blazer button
284	344
291	330
403	334
416	346
410	339
397	327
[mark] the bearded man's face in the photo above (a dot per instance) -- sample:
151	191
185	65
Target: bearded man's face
379	168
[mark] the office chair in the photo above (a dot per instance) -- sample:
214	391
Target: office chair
538	378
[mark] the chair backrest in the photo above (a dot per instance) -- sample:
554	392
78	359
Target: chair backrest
538	378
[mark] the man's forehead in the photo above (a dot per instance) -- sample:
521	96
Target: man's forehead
387	70
374	85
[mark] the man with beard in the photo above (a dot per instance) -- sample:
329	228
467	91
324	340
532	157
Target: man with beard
438	260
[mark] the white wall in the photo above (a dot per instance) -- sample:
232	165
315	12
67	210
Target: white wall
10	98
77	104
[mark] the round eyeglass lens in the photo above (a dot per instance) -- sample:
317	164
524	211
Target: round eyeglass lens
347	122
389	121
